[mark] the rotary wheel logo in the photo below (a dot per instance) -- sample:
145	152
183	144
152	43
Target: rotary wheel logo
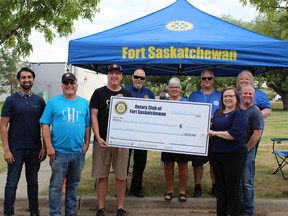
179	25
121	107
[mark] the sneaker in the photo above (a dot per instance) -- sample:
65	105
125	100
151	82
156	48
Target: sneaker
34	213
197	192
121	212
100	212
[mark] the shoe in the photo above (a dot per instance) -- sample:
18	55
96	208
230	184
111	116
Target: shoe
34	213
213	191
168	196
182	197
137	194
8	214
197	192
121	212
100	212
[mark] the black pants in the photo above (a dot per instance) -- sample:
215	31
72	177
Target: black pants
140	159
228	169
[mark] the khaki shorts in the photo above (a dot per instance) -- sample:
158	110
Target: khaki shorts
103	157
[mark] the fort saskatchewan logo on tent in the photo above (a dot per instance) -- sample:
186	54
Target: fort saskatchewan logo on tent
179	25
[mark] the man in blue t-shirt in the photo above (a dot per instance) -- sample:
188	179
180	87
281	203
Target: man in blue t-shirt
138	90
207	94
21	139
67	141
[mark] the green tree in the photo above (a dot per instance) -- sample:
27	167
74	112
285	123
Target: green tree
275	10
267	25
9	64
50	17
277	79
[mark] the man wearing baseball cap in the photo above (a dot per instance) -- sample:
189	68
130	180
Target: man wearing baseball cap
99	108
67	142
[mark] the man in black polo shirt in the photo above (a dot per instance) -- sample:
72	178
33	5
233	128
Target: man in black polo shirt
21	139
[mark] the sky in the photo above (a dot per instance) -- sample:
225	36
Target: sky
117	12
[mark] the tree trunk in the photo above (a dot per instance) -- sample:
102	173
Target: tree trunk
284	98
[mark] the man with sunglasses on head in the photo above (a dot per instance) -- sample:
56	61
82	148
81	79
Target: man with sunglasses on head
67	141
138	90
103	155
207	94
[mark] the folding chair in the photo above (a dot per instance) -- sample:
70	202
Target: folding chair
280	155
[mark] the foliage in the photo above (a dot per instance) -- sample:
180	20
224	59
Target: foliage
50	17
10	62
275	10
277	79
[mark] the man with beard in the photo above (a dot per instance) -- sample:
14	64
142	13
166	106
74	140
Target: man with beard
21	139
138	90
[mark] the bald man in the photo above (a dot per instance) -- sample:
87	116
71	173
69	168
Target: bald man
138	90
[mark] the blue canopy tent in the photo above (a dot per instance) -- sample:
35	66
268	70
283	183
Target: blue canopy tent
179	40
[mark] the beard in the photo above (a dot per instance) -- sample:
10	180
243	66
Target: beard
26	86
137	86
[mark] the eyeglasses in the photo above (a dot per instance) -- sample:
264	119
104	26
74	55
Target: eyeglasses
228	96
174	87
71	82
139	77
207	78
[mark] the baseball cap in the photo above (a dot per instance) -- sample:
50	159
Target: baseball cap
114	67
68	76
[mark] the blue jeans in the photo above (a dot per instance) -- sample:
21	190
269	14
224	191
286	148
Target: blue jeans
32	165
247	183
67	166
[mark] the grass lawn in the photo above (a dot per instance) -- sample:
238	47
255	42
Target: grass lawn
267	185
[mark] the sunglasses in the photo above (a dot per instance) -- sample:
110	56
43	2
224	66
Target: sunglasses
71	82
139	77
206	78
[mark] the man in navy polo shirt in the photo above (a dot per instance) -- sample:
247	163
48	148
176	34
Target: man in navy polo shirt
21	139
138	90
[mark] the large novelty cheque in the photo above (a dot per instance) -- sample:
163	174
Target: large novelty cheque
159	125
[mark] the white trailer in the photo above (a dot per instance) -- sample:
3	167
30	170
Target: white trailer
48	79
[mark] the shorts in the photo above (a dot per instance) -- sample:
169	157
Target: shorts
167	157
198	161
102	159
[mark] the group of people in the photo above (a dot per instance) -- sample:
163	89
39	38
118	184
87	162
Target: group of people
66	122
237	123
